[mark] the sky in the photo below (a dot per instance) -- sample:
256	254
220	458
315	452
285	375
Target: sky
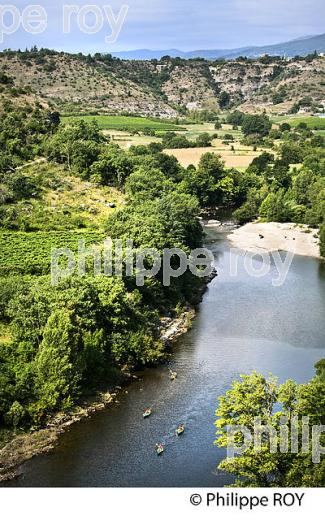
160	24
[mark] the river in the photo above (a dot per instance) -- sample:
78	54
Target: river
243	324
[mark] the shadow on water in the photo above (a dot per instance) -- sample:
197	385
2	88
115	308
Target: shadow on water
243	324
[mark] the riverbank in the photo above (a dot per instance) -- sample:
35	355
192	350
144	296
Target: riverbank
23	447
265	237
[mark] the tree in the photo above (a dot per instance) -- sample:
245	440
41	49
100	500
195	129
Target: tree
57	375
76	144
260	163
236	118
5	80
212	165
278	97
301	184
15	415
285	127
203	140
54	120
83	155
278	206
172	140
166	222
112	166
302	126
256	125
260	406
291	154
22	132
224	100
320	368
147	184
203	182
167	164
253	396
315	214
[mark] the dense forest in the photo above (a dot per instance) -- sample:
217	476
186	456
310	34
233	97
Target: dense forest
76	335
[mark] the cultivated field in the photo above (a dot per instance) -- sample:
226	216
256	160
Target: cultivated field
30	253
121	131
127	123
314	123
125	139
238	159
234	154
193	131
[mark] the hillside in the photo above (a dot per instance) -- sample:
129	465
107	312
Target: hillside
166	88
69	82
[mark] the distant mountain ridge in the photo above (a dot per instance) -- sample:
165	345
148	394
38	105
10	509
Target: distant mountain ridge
298	47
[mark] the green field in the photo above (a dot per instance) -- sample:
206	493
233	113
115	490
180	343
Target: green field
314	123
126	123
30	253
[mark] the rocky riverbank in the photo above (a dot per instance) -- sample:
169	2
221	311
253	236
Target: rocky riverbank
173	328
25	446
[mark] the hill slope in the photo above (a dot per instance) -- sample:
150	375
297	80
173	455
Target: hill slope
73	82
165	88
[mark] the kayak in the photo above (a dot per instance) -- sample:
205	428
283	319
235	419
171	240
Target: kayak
159	449
147	413
180	430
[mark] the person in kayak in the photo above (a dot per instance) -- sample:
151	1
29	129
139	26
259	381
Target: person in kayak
159	448
173	375
147	413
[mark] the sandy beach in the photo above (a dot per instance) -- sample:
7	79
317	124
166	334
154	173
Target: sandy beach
266	237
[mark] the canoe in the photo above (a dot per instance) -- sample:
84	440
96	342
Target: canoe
180	430
159	449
